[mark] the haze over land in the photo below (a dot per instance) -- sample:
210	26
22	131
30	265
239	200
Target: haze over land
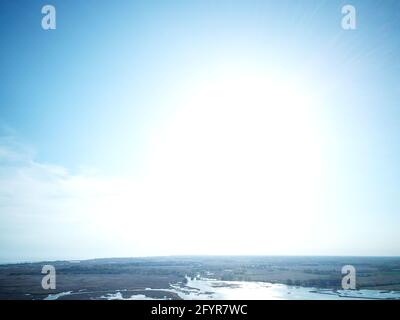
189	278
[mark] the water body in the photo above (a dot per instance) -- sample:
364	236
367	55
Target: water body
241	290
57	295
210	289
118	296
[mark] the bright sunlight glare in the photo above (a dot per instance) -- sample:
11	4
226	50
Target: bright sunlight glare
241	153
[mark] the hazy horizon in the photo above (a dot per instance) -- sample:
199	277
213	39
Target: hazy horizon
191	256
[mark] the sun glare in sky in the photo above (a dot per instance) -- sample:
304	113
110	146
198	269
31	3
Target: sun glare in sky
146	128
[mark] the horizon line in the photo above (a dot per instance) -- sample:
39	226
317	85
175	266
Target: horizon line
34	261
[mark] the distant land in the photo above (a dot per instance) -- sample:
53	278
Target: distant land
154	277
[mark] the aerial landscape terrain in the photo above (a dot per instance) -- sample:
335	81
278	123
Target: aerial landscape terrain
186	150
175	277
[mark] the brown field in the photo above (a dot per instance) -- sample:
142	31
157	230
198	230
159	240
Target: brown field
94	279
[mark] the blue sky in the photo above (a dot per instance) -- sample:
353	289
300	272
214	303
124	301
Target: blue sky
110	123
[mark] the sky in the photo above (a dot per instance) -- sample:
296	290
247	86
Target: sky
143	128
